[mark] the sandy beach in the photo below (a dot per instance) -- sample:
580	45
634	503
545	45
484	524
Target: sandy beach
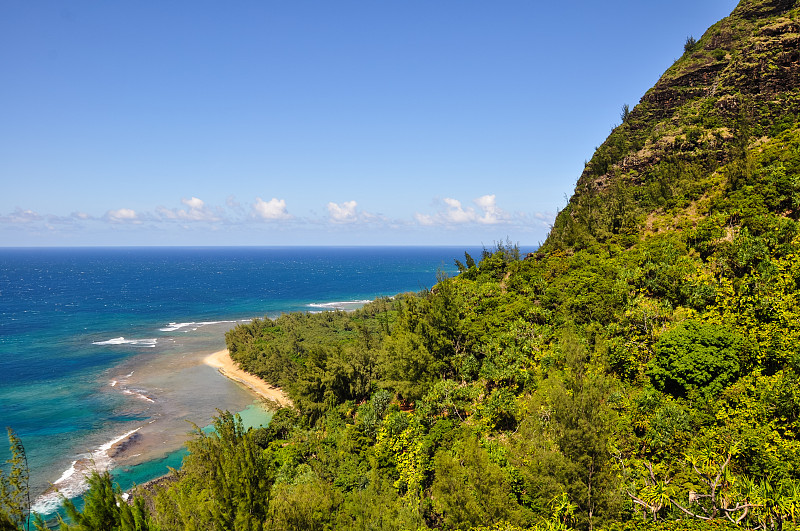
222	361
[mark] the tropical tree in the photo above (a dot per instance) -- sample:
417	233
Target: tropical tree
15	495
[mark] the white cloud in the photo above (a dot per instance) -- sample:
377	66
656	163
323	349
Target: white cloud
196	211
369	217
344	212
23	216
166	213
543	219
272	209
49	221
454	213
193	203
424	219
491	214
122	215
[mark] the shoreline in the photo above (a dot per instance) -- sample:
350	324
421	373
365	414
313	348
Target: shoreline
221	360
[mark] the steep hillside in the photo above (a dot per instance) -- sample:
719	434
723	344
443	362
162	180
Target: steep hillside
698	134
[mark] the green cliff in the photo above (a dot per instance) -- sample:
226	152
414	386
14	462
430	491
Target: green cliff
699	134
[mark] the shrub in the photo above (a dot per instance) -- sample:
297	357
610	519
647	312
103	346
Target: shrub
690	44
699	356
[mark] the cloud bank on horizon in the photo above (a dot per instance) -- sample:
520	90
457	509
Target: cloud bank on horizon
346	218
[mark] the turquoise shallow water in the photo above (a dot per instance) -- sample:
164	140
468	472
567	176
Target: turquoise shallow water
97	344
252	416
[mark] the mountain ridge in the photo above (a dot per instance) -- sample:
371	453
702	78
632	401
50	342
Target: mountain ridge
728	90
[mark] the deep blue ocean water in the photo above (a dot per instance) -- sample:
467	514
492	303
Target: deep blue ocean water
97	344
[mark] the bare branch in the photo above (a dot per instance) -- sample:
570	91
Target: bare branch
687	511
719	477
649	467
743	515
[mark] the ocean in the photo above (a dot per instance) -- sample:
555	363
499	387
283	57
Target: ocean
104	345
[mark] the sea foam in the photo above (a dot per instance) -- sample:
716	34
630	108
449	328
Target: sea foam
173	327
72	481
133	342
138	394
339	305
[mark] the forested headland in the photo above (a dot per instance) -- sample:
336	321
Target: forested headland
639	370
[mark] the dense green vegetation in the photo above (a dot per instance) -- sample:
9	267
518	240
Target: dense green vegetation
641	370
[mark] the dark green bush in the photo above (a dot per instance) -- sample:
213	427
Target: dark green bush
697	356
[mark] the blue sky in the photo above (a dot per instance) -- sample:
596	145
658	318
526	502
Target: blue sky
314	123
